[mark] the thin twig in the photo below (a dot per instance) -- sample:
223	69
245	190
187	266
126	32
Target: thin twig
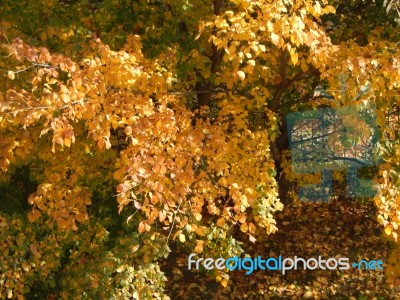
5	36
31	66
46	107
172	225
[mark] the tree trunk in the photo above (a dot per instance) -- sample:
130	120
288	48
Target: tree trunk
277	147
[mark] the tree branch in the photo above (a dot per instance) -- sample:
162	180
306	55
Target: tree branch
45	107
172	225
31	66
276	100
216	58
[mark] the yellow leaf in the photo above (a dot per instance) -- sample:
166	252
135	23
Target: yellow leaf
275	39
224	282
244	227
252	238
67	142
128	130
9	293
270	26
162	215
304	66
241	75
65	98
182	238
33	215
221	222
100	144
395	225
135	141
388	230
52	81
242	218
11	75
295	58
63	36
199	246
142	227
201	29
200	231
252	228
134	248
119	175
198	216
87	149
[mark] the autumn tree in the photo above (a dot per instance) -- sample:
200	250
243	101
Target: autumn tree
132	128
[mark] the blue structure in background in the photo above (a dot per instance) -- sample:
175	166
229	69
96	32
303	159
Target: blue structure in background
327	139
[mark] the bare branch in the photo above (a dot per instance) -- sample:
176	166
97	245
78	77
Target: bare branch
31	66
172	225
46	107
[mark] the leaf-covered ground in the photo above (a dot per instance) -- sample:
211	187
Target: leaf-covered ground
338	229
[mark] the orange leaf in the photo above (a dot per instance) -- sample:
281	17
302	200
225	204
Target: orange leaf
244	227
143	227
